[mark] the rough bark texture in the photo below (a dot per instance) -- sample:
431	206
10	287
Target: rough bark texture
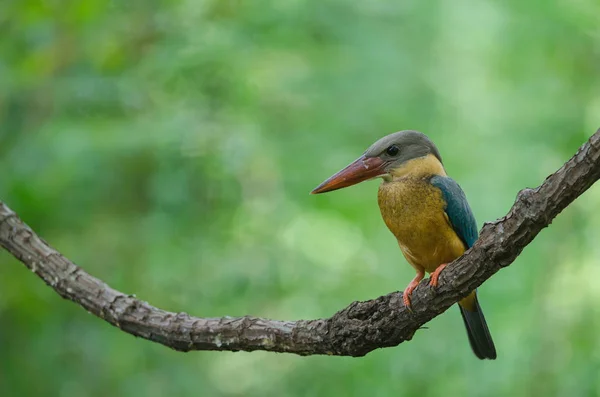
353	331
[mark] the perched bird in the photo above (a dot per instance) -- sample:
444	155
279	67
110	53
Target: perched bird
427	212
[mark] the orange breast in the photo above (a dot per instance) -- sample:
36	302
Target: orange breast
413	210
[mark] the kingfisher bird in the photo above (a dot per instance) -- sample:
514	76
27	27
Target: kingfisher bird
426	211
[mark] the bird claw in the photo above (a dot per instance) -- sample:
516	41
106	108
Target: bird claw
434	277
410	288
406	299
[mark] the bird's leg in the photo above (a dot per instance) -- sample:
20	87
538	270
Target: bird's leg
411	287
433	278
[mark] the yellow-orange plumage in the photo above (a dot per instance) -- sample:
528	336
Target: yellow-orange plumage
413	210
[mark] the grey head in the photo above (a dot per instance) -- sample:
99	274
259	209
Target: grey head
402	146
381	159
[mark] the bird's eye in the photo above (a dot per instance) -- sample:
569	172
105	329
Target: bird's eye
392	150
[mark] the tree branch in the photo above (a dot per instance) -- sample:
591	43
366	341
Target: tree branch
353	331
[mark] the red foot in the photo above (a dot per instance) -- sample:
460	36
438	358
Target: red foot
411	287
433	278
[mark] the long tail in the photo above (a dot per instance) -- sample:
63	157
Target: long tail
477	329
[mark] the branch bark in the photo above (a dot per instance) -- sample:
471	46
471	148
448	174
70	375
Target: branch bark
354	330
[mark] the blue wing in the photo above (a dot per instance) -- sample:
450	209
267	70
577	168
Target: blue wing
457	208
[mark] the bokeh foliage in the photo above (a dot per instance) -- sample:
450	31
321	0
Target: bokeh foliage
168	147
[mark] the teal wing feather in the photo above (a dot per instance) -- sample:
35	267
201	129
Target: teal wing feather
458	209
464	224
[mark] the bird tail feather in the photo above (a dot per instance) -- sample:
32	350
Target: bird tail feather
477	329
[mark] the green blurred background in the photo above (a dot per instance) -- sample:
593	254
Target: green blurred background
168	147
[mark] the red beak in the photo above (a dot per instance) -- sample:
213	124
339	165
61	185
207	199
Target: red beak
361	169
